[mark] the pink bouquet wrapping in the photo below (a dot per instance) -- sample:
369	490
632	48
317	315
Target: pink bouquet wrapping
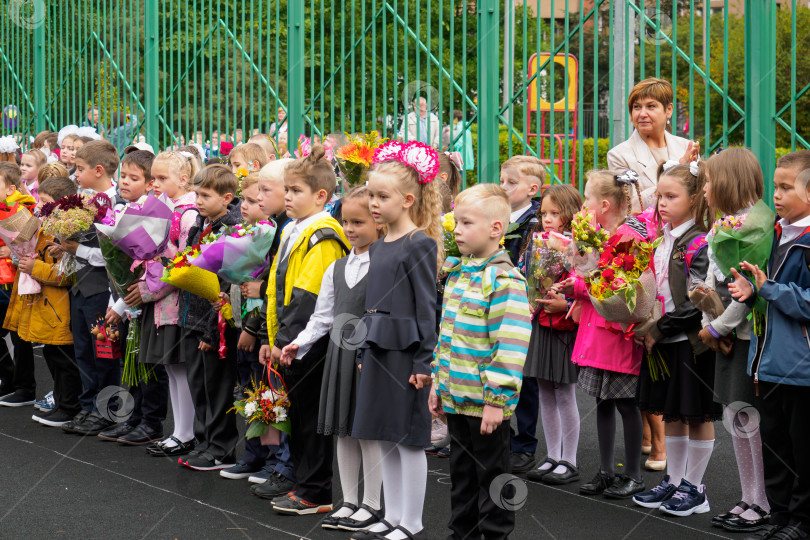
141	232
19	230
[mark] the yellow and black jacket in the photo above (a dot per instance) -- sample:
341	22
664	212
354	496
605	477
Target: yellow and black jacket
294	283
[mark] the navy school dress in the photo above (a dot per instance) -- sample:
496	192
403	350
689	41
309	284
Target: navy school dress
400	336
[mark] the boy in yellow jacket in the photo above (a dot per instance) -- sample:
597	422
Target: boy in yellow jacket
45	318
308	246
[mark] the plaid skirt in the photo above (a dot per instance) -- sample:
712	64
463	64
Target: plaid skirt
604	384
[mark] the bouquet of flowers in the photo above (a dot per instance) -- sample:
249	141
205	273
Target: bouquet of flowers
72	218
589	239
745	237
237	253
549	257
181	274
623	289
266	410
139	232
448	228
19	230
354	158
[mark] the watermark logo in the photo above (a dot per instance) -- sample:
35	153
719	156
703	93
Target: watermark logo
508	492
28	14
657	29
426	94
115	404
348	332
742	420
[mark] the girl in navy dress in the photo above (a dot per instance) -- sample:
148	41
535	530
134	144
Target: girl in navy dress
399	327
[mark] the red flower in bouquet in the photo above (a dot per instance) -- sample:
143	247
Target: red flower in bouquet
608	274
225	148
629	262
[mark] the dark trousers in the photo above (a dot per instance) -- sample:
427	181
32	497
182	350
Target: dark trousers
67	383
785	443
476	460
22	379
211	381
312	453
526	415
96	373
151	399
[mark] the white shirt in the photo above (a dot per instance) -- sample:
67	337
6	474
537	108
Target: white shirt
321	321
295	231
514	216
791	231
661	257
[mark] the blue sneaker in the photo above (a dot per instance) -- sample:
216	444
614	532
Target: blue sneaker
657	495
47	403
687	500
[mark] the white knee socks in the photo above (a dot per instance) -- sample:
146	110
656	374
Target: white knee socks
699	453
182	405
677	453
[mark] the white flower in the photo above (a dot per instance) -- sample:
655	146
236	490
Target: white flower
8	144
268	394
250	408
281	413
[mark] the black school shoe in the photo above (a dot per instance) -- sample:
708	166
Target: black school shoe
54	418
180	448
277	485
624	487
331	522
349	524
206	462
79	419
92	425
598	485
116	432
571	474
740	524
522	462
141	435
718	520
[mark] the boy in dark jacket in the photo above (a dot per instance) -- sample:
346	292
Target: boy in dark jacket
210	378
778	362
521	178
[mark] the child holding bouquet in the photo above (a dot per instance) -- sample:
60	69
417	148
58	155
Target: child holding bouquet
145	424
778	359
549	357
683	394
45	318
211	378
18	381
170	174
733	189
341	303
608	363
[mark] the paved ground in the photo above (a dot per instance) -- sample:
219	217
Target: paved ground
63	486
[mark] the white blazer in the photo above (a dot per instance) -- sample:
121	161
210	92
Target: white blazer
409	126
636	155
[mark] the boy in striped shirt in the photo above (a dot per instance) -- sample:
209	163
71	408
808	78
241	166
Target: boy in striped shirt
478	363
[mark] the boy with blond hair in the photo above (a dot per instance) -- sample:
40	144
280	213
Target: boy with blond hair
478	373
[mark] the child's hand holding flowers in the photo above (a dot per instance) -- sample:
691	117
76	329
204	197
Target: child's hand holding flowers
26	265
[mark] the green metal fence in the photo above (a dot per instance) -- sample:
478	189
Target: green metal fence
196	70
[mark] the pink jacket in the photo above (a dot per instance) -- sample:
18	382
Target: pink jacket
602	344
167	300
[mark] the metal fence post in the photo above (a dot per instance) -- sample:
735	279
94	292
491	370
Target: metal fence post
623	62
40	103
488	68
151	73
760	86
296	69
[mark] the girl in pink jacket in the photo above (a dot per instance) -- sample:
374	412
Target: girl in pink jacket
609	361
